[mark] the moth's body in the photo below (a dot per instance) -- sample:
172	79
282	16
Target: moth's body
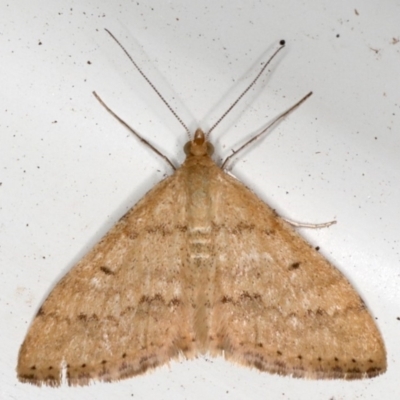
199	265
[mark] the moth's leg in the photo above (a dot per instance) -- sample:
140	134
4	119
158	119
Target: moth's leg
309	225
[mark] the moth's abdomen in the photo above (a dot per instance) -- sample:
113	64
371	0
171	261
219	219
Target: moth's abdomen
201	246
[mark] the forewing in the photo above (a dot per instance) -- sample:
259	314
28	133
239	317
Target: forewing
120	310
279	305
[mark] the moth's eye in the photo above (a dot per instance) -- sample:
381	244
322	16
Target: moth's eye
186	148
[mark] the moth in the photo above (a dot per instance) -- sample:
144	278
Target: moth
201	265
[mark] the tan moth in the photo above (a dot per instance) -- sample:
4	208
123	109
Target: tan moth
201	265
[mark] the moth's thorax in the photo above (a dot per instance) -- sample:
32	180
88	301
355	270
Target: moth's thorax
199	146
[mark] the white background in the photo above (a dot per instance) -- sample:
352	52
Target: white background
68	170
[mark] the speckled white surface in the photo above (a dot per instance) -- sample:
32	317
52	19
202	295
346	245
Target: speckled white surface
68	171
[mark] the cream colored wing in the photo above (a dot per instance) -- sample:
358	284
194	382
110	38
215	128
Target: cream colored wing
279	305
120	310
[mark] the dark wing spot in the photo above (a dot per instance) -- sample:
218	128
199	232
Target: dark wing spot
158	229
373	371
40	312
363	306
107	270
33	367
242	227
174	302
28	377
226	299
87	318
269	232
124	216
294	265
247	296
181	228
150	299
82	317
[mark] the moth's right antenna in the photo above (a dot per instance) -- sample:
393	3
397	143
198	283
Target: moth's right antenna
150	83
282	45
277	119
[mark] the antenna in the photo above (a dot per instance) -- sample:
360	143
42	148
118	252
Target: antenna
141	138
276	120
282	45
235	152
150	83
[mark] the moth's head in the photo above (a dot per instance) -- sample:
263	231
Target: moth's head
199	146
